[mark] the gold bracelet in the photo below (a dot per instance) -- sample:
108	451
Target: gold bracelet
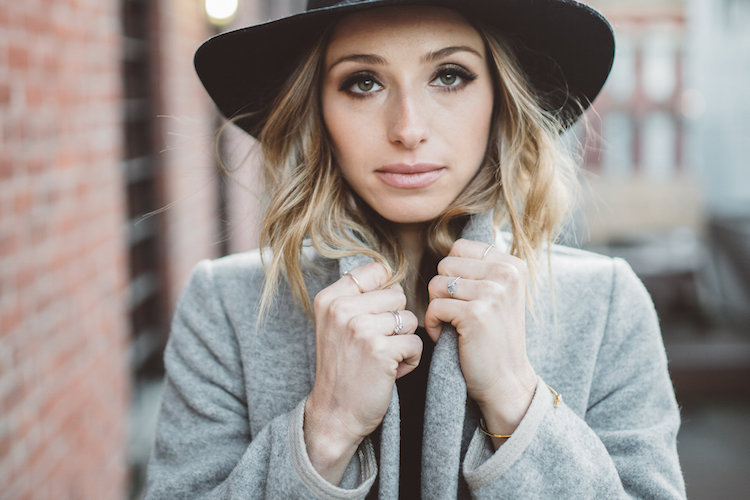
558	398
483	426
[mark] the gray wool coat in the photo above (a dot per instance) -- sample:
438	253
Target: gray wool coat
231	419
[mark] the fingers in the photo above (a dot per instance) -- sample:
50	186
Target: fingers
463	289
472	249
342	300
372	276
442	311
407	350
384	323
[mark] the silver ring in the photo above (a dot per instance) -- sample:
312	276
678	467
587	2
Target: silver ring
399	322
452	285
355	280
487	250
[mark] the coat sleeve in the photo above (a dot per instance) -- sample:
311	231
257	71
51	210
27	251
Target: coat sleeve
204	448
625	444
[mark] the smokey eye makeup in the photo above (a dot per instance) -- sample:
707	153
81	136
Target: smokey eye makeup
449	77
360	84
452	77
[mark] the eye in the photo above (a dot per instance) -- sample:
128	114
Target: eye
361	84
452	77
448	79
365	85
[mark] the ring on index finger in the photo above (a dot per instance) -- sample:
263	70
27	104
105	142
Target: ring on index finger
355	280
399	323
452	285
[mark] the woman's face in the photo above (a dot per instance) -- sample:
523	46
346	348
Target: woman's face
407	100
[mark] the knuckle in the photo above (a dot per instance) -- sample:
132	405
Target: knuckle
378	270
397	293
443	266
410	319
321	300
488	288
338	310
458	246
432	286
515	272
377	347
356	325
476	311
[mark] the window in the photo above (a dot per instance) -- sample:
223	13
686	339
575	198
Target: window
659	140
617	130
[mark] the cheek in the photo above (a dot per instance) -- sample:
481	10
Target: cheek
479	116
342	129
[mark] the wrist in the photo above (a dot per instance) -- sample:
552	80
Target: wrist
330	450
503	411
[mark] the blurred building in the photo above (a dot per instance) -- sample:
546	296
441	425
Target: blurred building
109	195
642	181
669	183
669	189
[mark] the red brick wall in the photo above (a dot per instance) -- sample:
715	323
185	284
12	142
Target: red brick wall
244	189
63	323
187	130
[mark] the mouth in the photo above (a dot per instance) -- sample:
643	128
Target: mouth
414	176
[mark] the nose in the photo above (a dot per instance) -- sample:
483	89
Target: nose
407	121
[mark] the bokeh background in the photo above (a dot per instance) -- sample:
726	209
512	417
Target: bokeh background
110	193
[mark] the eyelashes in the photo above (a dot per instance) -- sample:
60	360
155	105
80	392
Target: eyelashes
360	84
453	77
447	78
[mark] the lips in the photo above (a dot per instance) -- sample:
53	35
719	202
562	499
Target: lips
414	176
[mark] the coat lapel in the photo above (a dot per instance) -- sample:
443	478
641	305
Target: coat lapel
390	430
445	407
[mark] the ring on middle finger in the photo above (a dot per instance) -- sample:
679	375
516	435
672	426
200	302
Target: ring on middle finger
399	322
452	285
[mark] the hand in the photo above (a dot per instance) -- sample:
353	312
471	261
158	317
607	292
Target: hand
488	310
358	359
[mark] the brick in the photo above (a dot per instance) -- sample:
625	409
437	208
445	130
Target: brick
10	243
5	446
18	57
4	95
35	95
22	202
35	24
11	317
12	398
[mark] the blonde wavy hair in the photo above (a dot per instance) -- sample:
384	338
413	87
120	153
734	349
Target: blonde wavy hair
528	178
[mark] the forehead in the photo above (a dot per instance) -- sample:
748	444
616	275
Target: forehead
405	26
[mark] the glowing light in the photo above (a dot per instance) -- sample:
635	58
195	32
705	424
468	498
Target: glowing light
221	11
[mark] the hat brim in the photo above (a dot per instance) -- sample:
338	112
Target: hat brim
566	49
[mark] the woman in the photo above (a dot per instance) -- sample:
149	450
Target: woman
396	138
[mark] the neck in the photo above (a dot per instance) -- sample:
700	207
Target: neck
412	238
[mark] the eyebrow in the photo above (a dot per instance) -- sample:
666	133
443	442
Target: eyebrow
427	58
448	51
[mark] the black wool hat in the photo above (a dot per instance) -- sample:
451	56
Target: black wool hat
566	49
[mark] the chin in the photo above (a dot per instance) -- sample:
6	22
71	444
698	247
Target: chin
406	216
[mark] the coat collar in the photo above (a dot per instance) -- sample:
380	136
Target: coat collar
446	403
